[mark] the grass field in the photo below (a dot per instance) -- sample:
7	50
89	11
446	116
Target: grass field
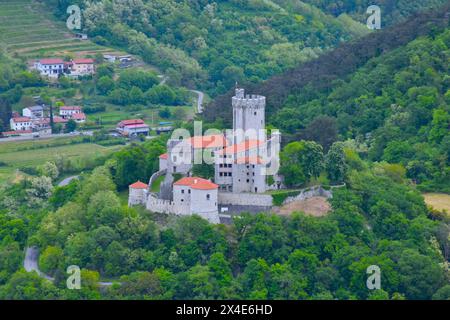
15	155
439	201
28	28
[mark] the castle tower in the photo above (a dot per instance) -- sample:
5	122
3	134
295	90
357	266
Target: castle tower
248	114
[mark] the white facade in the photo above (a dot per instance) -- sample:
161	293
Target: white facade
50	67
34	112
21	124
66	112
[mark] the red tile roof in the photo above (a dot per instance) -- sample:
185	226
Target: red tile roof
130	122
51	61
241	147
79	116
57	119
83	61
70	108
210	141
196	183
139	185
164	156
21	119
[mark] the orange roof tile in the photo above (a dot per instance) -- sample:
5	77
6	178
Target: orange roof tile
139	185
241	147
164	156
196	183
210	141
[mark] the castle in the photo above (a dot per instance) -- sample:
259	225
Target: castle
242	158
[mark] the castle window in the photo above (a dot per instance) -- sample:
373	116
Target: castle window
255	113
182	190
189	191
248	180
221	174
208	197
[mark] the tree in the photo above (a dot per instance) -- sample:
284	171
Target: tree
49	169
322	130
105	85
335	162
300	161
71	126
51	259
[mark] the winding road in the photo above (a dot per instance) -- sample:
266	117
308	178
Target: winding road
30	263
200	99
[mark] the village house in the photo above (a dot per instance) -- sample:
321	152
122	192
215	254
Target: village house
82	67
52	68
34	112
133	127
67	112
21	124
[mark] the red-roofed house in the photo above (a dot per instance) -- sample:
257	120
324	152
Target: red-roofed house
79	117
198	195
82	67
67	112
133	127
50	67
21	124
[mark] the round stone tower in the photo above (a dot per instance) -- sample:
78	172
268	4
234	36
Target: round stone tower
248	114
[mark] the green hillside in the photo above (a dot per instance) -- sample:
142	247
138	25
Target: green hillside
389	94
29	29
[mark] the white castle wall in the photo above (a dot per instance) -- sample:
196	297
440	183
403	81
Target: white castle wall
245	199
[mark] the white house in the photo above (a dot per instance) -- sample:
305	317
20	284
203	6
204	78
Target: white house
34	112
50	67
199	195
163	161
67	112
21	124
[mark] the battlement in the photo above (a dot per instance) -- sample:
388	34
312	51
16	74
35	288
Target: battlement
241	100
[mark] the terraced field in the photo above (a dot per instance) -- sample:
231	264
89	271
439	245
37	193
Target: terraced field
28	29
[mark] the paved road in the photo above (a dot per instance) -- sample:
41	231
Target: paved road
31	262
60	135
201	96
66	181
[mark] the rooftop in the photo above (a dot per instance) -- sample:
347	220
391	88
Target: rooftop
21	119
139	185
130	122
196	183
83	61
79	116
70	108
51	61
210	141
241	147
164	156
